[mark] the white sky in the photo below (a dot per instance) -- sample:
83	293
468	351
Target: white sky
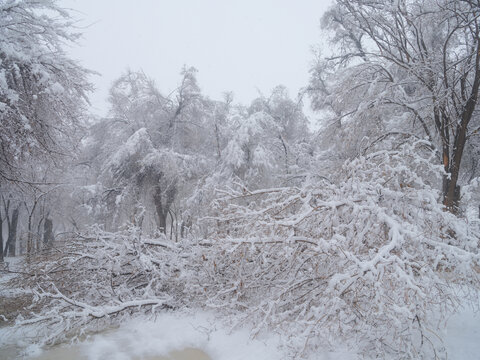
244	46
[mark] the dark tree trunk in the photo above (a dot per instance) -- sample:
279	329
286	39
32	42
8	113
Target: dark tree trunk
30	243
163	207
452	191
217	139
162	222
182	230
48	237
12	234
161	213
452	195
1	239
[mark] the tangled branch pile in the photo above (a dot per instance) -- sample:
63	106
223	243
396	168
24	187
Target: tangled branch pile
94	282
375	261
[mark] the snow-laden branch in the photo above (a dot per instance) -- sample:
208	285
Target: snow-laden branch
375	259
99	277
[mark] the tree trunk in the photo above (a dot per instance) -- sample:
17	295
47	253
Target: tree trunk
30	242
162	222
163	208
285	149
185	227
12	234
1	239
452	193
161	213
171	225
48	237
217	139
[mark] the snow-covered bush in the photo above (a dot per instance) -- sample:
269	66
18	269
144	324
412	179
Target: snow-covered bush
374	260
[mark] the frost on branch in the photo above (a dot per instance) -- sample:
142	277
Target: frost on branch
42	91
94	282
375	260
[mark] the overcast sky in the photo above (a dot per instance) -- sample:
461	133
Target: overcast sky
244	46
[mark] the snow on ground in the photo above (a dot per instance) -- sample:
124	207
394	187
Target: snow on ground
175	332
142	338
462	336
145	338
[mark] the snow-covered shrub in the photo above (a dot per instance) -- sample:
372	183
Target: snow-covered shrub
374	260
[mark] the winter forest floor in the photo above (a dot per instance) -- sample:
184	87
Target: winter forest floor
190	334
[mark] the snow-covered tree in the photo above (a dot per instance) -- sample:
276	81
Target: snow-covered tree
269	143
338	237
404	69
293	135
42	91
42	109
149	153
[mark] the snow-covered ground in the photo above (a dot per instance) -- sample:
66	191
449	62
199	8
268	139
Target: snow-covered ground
462	336
142	338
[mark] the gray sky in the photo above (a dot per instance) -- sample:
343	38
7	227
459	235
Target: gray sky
238	46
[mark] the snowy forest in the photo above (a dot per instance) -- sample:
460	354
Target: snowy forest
362	233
